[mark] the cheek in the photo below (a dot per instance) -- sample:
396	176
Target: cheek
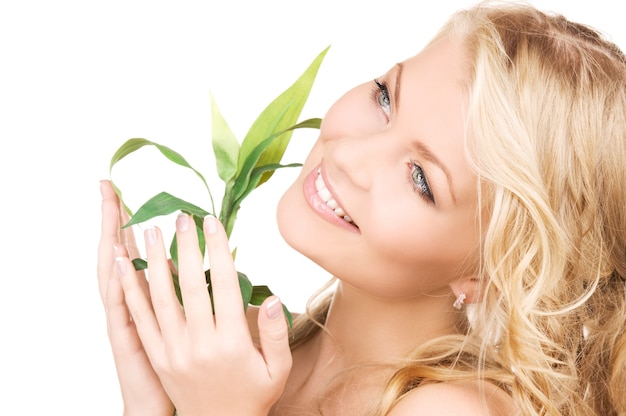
436	246
352	115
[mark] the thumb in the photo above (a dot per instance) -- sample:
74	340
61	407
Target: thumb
274	338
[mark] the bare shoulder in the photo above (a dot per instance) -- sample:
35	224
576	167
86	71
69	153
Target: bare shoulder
455	398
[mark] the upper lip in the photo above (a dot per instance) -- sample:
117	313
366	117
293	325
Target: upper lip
333	194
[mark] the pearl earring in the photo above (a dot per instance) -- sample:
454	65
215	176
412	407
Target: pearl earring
460	300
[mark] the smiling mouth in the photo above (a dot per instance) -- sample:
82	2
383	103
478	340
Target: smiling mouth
325	195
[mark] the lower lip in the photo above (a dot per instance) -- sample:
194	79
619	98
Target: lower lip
320	207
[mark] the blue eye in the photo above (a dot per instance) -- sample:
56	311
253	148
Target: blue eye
381	97
383	94
419	182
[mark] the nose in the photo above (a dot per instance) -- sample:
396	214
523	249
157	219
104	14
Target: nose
360	159
355	137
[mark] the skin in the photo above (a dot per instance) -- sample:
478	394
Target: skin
399	271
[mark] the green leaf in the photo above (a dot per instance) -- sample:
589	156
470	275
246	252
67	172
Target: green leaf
163	204
288	315
133	145
254	159
281	113
259	294
140	264
177	288
260	170
246	289
225	144
235	192
256	176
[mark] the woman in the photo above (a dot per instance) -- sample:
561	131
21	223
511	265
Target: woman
469	203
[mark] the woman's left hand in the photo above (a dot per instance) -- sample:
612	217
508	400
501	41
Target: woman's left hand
206	359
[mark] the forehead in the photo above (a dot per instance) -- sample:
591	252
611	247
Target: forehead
440	72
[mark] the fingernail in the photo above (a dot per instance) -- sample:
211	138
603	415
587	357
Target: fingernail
121	265
150	236
274	308
182	222
211	224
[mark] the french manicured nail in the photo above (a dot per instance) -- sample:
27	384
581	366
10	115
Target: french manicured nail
274	308
211	224
120	263
150	236
182	222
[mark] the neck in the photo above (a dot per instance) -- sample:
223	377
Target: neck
379	329
368	329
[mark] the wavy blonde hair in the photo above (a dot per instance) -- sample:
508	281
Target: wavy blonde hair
548	121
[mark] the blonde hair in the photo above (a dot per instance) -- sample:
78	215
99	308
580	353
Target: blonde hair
547	125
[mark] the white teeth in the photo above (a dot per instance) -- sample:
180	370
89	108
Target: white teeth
325	195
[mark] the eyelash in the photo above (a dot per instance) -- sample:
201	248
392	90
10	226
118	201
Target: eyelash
423	188
381	91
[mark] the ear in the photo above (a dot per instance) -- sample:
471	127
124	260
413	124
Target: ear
468	285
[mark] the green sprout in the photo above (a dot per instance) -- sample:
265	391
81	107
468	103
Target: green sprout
242	167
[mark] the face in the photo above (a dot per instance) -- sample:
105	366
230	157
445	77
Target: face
386	201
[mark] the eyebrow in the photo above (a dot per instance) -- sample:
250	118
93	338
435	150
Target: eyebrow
398	81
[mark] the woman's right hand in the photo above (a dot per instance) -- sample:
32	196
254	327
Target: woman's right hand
141	388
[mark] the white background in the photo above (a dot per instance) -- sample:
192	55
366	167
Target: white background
78	78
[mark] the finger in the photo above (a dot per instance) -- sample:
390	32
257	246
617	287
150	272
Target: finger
166	307
139	306
109	236
127	234
274	338
120	251
121	329
224	282
198	310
